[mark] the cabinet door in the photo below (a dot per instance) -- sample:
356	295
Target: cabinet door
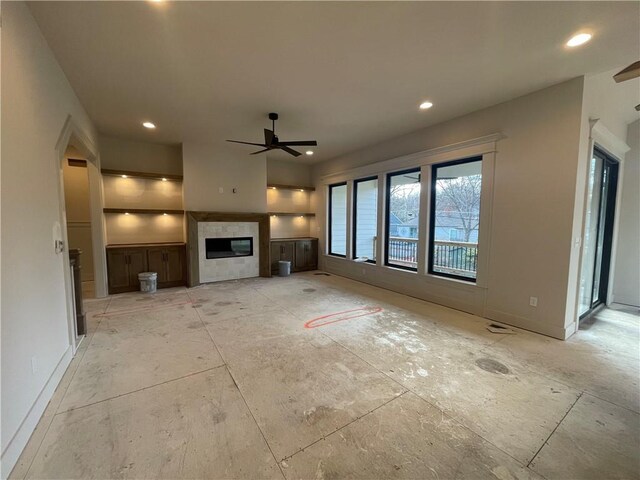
118	270
312	258
288	252
156	263
174	263
137	264
302	254
276	252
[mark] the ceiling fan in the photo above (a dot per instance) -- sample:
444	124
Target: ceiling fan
271	141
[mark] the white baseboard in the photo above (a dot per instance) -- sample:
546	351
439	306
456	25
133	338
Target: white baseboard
13	450
531	325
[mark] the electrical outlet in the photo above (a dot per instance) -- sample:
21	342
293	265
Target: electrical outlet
533	301
220	190
34	365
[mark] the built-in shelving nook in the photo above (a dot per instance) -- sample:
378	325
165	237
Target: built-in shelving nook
143	207
290	208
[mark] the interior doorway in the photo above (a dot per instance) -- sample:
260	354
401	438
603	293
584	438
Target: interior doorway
78	216
598	233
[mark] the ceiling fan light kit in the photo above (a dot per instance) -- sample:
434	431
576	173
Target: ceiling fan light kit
272	142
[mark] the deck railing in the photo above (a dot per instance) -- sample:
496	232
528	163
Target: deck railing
458	258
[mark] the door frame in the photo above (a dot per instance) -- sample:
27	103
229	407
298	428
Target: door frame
72	134
610	215
601	137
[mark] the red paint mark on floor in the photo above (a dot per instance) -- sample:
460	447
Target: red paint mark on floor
341	316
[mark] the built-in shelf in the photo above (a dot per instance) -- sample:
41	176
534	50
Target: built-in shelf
276	186
155	176
292	214
153	211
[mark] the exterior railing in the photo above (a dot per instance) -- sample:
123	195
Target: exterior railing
403	250
458	258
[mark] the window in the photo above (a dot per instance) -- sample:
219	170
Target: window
338	219
402	218
365	218
455	206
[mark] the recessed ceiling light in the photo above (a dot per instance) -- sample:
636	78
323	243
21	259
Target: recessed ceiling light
309	152
148	125
579	39
425	105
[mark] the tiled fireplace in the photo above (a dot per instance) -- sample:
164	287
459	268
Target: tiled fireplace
227	246
231	259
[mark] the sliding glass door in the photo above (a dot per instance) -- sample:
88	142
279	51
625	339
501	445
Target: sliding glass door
598	236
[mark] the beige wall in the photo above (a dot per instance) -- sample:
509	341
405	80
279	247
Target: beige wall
142	193
36	102
626	287
290	201
134	192
144	228
288	172
210	168
531	218
134	156
78	211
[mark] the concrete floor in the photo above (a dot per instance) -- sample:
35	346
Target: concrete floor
224	381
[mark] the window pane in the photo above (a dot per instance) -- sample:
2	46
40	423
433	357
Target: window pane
365	228
403	216
338	219
455	219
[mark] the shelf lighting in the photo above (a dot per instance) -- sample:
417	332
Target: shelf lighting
302	189
126	213
165	214
124	176
272	188
274	216
164	179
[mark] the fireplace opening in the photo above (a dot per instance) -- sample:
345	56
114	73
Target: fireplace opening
229	247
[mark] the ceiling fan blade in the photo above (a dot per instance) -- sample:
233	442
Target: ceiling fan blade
261	151
300	143
268	136
247	143
290	151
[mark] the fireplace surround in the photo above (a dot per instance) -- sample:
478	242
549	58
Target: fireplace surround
234	226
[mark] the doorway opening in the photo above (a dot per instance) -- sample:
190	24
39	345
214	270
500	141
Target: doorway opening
78	215
598	233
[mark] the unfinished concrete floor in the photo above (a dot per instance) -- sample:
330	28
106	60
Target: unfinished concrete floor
224	381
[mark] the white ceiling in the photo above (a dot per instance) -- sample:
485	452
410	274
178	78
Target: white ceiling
349	74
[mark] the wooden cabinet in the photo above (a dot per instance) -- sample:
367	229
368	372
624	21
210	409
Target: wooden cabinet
282	251
306	255
126	262
302	253
123	267
170	265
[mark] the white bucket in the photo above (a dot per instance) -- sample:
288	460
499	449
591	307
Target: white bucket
148	281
